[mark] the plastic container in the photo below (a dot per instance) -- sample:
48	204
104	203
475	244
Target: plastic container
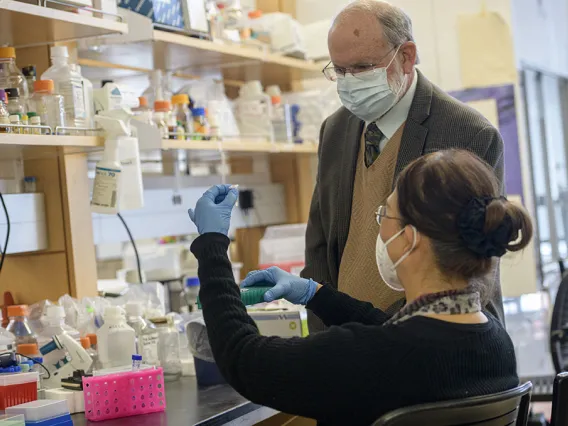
159	88
107	177
88	96
124	394
182	113
143	113
68	83
168	348
30	74
17	389
30	350
16	105
19	325
254	111
54	324
86	344
163	117
189	294
7	339
10	75
8	420
146	334
64	420
93	338
4	114
49	107
43	409
136	362
200	124
116	339
251	295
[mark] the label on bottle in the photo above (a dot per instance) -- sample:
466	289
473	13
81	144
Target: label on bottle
74	101
150	348
105	187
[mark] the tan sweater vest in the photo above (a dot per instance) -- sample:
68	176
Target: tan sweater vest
358	273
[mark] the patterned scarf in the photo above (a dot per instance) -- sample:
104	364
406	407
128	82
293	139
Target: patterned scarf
450	302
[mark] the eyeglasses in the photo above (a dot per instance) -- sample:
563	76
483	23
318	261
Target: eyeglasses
382	213
332	73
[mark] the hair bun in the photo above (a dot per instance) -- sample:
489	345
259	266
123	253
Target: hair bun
471	227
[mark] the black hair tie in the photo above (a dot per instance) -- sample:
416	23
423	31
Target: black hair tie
471	224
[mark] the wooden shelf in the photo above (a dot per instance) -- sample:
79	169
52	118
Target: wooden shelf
23	24
7	139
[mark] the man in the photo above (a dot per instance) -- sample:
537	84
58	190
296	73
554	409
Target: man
391	115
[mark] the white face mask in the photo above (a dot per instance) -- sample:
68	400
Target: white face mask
387	268
369	95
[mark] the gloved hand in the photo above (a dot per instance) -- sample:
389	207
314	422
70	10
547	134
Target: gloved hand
290	287
213	210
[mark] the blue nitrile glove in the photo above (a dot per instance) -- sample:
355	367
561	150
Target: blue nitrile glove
213	210
290	287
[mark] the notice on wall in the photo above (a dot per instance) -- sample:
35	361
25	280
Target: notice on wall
486	50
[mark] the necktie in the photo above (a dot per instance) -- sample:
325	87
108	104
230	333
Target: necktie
373	137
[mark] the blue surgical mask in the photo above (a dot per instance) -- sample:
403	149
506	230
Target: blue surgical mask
369	95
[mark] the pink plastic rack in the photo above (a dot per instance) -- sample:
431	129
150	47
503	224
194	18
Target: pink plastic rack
124	394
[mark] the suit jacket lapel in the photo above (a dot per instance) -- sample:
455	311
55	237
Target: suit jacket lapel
414	135
351	144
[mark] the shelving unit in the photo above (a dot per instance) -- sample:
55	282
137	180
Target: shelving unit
23	24
7	139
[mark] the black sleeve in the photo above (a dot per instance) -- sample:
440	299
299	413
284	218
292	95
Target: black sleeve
310	377
336	308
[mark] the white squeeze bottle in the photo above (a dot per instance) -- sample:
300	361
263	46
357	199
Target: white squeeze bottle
116	340
69	84
107	181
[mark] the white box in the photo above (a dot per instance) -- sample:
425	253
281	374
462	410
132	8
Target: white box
27	223
282	322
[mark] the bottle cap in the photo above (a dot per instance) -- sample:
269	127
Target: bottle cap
136	357
143	101
32	114
162	106
29	71
55	312
59	52
29	179
181	99
7	52
17	310
113	312
14	118
192	282
93	338
86	342
13	92
134	309
254	14
29	349
35	120
44	86
199	112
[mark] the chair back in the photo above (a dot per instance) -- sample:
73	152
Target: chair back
500	409
560	401
559	327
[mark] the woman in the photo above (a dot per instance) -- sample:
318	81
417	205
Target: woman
439	231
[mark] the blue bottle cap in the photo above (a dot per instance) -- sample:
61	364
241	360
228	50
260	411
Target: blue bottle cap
198	112
136	357
191	282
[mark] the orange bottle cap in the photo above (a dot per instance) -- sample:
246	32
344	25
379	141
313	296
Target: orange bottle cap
44	86
93	338
162	106
7	52
254	14
18	310
143	101
85	342
180	99
29	349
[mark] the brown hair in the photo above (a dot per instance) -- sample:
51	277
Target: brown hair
452	197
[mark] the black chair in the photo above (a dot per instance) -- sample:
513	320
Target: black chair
559	328
560	401
500	409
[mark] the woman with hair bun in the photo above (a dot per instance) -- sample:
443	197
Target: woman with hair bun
438	234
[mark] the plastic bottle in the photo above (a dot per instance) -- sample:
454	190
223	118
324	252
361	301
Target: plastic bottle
10	75
143	112
47	105
116	339
86	344
168	348
200	125
155	90
54	324
87	96
16	104
68	83
4	114
15	119
30	350
182	114
146	333
188	296
254	110
163	116
136	362
7	339
19	326
107	179
29	73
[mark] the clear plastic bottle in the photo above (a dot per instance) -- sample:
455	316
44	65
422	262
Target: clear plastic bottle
136	362
155	90
10	75
182	114
116	340
200	125
146	333
68	83
16	105
86	344
16	120
19	325
188	296
163	116
53	325
88	97
143	112
30	74
168	348
49	107
7	339
4	114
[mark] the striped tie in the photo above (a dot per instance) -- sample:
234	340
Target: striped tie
373	137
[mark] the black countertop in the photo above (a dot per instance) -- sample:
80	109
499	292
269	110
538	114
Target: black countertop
189	405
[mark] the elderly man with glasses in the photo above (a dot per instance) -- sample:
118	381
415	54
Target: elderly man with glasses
391	115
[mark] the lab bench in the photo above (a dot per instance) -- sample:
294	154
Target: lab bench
188	405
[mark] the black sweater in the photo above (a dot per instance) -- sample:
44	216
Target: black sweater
354	372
